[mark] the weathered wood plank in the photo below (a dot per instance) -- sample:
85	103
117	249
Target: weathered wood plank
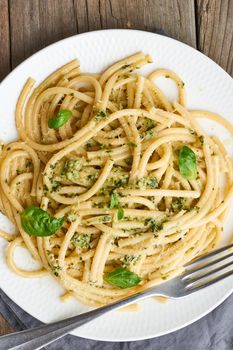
176	18
4	327
4	40
36	24
215	31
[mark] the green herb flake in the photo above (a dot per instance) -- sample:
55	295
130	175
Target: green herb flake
147	134
122	182
114	201
55	186
154	225
164	277
178	204
130	259
105	218
100	115
102	146
29	163
202	140
72	217
149	123
57	270
152	182
149	182
120	213
122	278
195	208
91	177
81	240
131	144
71	169
181	84
192	131
61	100
129	161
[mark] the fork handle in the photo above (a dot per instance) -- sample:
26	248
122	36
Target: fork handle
36	338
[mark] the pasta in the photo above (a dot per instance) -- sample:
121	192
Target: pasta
111	186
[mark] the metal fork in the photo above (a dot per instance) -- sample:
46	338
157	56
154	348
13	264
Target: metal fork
200	273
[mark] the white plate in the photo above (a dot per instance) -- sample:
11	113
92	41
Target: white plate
208	87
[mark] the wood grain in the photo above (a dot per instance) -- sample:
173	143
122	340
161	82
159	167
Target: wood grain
4	39
38	23
176	18
4	327
215	31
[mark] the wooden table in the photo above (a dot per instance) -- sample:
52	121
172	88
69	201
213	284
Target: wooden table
29	25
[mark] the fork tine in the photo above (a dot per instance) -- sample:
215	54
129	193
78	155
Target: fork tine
204	267
199	277
193	288
209	255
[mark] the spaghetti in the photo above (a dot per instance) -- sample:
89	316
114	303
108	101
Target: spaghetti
131	179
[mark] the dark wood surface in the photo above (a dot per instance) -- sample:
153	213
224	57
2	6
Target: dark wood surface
29	25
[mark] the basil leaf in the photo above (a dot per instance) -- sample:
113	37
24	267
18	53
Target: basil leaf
122	278
187	163
37	222
120	213
114	201
61	118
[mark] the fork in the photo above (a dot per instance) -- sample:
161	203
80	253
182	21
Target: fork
200	273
